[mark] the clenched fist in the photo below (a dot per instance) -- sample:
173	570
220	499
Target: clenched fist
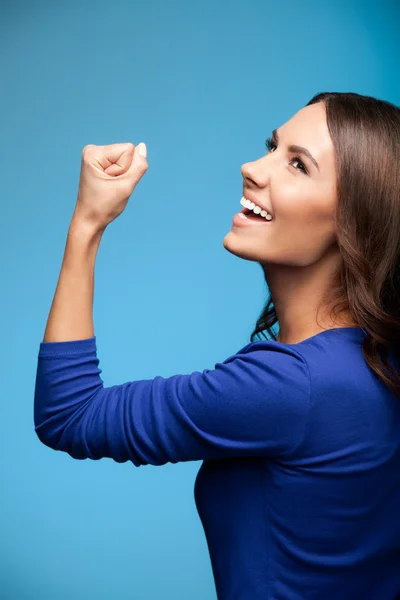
109	174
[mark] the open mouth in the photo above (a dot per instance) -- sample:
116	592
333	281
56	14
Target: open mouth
252	215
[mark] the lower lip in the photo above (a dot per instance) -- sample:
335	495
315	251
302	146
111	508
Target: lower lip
241	222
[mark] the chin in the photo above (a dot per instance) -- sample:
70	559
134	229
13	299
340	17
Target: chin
235	247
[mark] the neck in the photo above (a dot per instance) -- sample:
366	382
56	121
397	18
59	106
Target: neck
297	293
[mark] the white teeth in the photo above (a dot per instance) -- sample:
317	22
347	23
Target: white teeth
256	209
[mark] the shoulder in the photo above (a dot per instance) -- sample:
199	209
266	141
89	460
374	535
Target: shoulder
279	369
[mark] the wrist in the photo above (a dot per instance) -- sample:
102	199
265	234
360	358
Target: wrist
84	228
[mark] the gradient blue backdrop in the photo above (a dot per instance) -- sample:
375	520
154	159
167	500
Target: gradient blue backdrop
203	84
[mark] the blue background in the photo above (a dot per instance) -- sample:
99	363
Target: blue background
203	84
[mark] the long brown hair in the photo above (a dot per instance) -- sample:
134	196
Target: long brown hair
366	136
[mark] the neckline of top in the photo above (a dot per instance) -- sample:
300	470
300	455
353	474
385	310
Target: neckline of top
359	330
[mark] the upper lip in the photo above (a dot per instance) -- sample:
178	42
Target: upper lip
249	197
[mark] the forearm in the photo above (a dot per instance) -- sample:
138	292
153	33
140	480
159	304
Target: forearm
71	313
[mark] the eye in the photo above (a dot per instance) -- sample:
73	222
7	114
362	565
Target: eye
269	143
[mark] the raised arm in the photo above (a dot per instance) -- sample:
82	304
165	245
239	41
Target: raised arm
254	403
108	176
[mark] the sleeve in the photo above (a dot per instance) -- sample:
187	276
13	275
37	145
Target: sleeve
254	403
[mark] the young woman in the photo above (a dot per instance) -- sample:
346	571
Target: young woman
299	489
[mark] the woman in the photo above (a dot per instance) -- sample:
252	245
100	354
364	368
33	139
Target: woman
299	491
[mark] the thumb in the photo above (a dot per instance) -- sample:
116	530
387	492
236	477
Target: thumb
139	162
142	149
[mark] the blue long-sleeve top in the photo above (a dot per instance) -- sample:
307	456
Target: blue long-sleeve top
299	489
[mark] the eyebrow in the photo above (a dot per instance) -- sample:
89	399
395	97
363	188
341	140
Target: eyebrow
298	149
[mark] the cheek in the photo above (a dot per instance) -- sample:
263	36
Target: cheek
304	225
288	199
302	205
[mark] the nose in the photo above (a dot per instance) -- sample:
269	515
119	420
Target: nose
256	172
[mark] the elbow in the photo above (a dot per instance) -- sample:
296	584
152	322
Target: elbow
64	433
59	441
49	421
51	426
57	426
47	435
45	439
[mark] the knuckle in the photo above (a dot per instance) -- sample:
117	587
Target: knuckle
86	148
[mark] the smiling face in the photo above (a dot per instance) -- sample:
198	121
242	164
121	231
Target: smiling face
300	197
